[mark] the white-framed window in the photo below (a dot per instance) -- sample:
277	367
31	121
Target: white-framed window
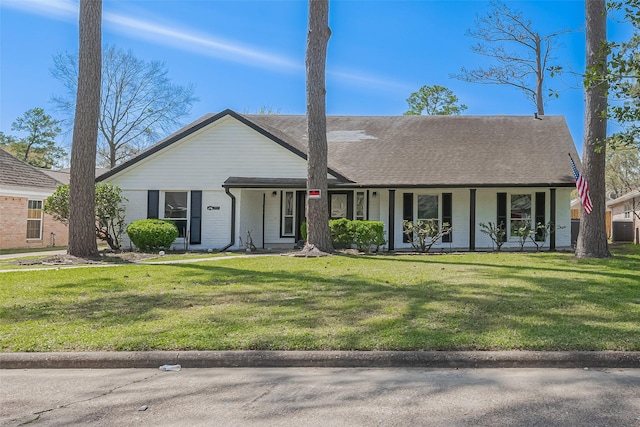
627	211
175	207
520	212
34	220
361	205
288	213
428	208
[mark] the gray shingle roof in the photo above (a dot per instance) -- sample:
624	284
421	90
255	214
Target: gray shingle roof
425	151
16	173
441	150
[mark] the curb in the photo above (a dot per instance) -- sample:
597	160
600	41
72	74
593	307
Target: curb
322	359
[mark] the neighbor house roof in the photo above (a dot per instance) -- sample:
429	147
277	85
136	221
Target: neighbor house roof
63	176
17	174
425	151
629	196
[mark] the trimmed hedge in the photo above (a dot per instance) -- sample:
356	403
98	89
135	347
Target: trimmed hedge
150	235
346	233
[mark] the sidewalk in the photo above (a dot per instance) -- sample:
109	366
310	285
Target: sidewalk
34	254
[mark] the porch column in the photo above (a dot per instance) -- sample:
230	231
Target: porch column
552	218
392	218
472	219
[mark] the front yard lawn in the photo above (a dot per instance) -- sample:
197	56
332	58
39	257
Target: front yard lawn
475	301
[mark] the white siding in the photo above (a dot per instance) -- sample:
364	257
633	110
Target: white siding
205	159
273	208
135	208
250	210
563	218
486	204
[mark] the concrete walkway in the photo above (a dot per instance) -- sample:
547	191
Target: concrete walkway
33	254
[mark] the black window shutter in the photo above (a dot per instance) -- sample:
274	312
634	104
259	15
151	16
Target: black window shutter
196	218
501	219
447	215
153	203
407	212
350	205
540	219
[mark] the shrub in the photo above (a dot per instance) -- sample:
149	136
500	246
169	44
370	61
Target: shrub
109	211
496	233
340	233
523	233
152	234
424	234
345	233
367	234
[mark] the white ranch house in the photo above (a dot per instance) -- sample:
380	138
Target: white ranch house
229	173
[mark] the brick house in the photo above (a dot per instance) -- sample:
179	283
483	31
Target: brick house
23	190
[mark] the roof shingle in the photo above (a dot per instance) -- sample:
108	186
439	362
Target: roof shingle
16	173
422	151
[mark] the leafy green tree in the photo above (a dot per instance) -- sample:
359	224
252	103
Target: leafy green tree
110	213
622	171
434	101
138	102
623	74
38	147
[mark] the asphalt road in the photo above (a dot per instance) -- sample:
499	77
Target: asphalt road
320	397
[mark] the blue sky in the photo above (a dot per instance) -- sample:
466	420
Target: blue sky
245	55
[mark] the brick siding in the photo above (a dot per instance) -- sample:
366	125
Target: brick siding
13	226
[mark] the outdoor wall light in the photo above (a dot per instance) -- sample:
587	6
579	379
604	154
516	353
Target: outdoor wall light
274	193
374	194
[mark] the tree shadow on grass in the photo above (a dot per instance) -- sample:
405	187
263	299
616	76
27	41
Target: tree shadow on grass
217	307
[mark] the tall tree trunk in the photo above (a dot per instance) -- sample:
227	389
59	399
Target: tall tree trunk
592	239
318	233
82	213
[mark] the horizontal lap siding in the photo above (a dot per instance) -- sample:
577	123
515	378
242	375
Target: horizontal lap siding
203	161
250	212
563	217
460	220
486	212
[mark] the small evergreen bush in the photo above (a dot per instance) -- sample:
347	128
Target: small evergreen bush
150	235
367	234
340	233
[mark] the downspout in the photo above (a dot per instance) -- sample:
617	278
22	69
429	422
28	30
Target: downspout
233	220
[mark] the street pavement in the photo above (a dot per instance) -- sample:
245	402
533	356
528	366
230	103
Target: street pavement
320	397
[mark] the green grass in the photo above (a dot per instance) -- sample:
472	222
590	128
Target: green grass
192	255
477	301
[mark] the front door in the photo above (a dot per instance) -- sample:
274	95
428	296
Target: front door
301	213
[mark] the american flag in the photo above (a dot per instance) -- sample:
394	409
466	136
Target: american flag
583	188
